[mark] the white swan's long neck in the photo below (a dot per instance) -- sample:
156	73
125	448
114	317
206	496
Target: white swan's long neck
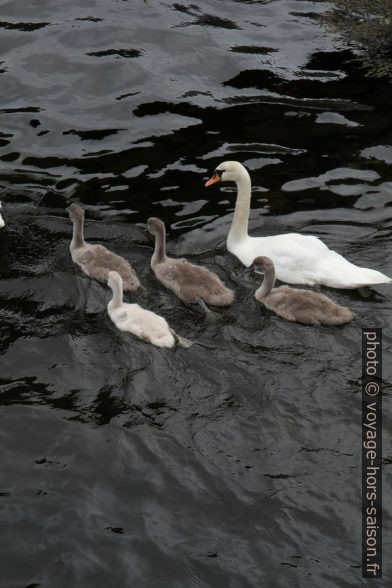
267	285
159	254
117	299
239	226
77	234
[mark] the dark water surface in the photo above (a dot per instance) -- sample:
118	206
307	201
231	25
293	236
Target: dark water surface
236	463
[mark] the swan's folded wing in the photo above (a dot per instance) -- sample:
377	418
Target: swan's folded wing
85	258
297	258
171	272
121	316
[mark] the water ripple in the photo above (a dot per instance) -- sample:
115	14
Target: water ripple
233	463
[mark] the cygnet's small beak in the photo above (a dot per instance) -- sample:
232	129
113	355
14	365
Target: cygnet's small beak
215	178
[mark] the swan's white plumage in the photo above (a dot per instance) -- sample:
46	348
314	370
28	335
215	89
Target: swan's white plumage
142	323
305	259
298	259
2	223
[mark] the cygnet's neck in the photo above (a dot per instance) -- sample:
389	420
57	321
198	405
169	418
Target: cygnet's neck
159	254
239	226
267	284
117	290
77	234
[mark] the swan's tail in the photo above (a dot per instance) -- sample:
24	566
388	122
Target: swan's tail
181	340
342	315
344	274
363	277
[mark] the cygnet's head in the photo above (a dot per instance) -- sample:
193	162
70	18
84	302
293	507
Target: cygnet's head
228	171
2	223
75	212
114	279
155	225
262	265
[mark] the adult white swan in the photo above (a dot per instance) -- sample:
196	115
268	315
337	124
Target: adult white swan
298	259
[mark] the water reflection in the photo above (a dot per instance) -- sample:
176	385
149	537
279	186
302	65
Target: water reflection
235	462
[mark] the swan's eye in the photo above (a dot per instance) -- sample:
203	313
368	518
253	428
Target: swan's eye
219	172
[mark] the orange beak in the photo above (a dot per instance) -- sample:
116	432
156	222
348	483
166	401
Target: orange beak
215	178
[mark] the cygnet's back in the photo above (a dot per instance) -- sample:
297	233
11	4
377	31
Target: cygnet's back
96	260
191	282
142	323
303	306
295	304
188	281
